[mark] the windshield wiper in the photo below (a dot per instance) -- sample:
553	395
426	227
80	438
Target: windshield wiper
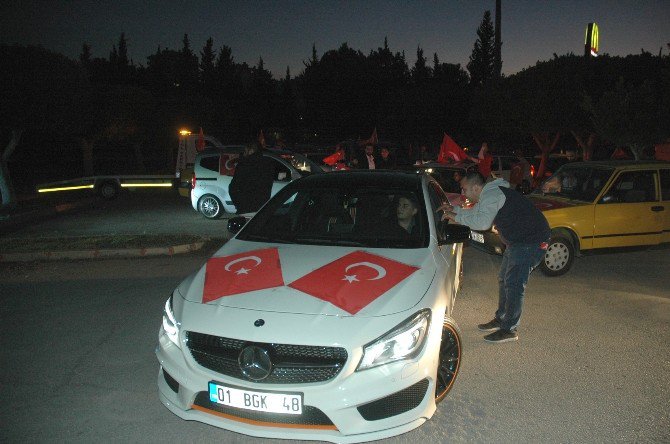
330	241
258	237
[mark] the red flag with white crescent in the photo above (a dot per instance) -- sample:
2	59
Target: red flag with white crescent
201	141
450	150
241	273
354	281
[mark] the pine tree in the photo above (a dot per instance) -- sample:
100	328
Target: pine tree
420	71
207	66
85	56
123	51
482	61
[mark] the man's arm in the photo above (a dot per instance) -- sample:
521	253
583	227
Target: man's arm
480	217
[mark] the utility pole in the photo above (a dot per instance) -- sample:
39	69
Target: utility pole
497	45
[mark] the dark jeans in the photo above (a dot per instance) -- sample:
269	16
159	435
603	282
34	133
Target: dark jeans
518	261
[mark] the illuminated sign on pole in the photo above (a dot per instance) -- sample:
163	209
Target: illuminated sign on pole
591	40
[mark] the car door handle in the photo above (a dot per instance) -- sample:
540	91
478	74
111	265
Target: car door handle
657	208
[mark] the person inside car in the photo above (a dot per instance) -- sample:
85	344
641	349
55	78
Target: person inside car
405	212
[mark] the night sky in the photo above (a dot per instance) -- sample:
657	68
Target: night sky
282	32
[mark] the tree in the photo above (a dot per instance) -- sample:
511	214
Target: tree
635	116
40	92
482	61
207	70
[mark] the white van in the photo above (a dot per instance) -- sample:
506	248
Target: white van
214	170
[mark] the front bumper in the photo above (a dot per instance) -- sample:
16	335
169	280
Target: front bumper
395	398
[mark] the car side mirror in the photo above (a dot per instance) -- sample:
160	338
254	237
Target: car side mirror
235	224
453	233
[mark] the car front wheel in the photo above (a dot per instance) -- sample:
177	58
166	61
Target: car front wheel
210	207
449	359
559	256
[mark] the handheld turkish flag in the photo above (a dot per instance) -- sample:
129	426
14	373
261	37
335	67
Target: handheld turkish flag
334	158
354	281
261	138
450	150
241	273
201	141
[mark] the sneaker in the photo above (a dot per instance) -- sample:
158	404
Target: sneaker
492	325
502	336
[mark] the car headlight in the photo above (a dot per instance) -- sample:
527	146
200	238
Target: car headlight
403	342
170	324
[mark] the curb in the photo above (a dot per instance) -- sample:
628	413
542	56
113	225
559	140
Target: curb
104	253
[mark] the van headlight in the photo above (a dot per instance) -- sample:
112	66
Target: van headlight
403	342
170	324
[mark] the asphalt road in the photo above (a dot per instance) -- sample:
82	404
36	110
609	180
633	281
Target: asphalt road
591	365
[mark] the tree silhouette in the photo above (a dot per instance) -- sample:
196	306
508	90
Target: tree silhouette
482	60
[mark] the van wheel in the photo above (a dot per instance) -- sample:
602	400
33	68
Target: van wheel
108	190
559	256
210	206
449	359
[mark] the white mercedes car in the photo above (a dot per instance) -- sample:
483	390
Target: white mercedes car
327	317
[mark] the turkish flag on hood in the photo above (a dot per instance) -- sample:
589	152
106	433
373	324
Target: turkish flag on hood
450	150
241	273
354	280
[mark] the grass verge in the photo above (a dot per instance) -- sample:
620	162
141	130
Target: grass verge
19	245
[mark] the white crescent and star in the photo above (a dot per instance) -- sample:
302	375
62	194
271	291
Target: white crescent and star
243	270
381	272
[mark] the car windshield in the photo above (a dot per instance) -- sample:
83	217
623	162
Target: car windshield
576	182
303	164
352	216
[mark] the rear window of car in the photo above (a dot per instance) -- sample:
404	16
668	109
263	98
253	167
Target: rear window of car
665	185
210	163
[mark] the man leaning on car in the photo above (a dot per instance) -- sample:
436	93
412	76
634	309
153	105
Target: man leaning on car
524	230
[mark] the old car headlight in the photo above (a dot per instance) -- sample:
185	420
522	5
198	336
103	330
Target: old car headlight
170	324
403	342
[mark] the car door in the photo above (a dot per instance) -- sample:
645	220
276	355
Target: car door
664	207
451	256
627	214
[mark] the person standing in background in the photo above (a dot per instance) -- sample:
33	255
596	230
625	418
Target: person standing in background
385	162
484	161
367	160
252	182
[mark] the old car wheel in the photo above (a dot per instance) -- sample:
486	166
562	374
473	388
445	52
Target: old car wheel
559	256
108	190
210	207
449	359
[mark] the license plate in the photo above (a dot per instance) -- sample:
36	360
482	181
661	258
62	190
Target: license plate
272	402
477	237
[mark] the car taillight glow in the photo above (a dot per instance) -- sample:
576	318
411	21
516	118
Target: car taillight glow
193	182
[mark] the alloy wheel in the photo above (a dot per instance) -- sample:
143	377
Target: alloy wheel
449	360
210	207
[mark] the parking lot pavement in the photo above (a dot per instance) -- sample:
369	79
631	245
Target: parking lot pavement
591	364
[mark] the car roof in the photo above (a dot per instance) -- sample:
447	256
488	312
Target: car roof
622	164
377	178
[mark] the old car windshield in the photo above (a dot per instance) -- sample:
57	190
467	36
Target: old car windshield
577	182
301	163
359	217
